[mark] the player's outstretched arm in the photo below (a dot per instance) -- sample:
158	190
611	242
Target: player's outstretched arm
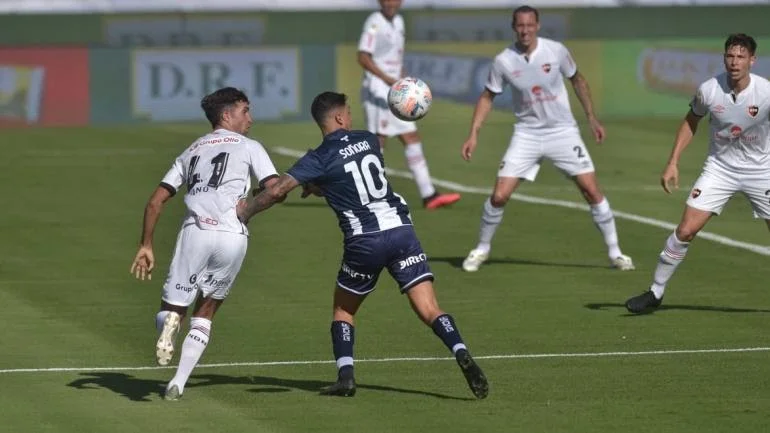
273	193
684	135
583	92
144	260
480	113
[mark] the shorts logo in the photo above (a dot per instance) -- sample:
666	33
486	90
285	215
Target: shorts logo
216	284
502	164
384	123
695	193
547	68
193	278
409	261
354	274
753	110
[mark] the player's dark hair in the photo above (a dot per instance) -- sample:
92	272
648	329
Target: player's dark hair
526	10
741	40
216	103
326	102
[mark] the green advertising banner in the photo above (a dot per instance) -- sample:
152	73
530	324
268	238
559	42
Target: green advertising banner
166	85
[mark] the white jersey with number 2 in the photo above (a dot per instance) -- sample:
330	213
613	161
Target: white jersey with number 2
216	170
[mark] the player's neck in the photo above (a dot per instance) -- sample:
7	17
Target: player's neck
739	85
528	50
389	18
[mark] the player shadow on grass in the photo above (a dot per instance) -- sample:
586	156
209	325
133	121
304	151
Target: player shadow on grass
133	388
457	262
138	389
605	306
268	384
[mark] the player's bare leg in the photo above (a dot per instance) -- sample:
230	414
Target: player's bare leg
674	252
346	305
167	322
422	298
194	345
415	159
491	217
603	219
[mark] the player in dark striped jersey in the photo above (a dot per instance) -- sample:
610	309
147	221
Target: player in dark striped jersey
348	170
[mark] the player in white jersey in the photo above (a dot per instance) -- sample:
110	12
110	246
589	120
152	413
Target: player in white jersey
738	103
381	55
535	69
216	170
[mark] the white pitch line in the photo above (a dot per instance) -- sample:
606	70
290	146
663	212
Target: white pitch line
405	359
724	240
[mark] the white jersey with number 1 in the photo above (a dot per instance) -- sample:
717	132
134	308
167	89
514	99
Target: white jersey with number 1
540	99
740	127
216	170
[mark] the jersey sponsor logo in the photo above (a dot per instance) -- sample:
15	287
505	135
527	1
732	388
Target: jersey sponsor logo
695	193
207	220
412	260
753	110
354	148
546	68
537	90
355	274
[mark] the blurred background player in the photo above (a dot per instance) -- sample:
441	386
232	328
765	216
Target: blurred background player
381	54
738	103
348	170
211	245
534	67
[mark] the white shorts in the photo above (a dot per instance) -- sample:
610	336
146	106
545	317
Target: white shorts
379	119
563	147
204	260
717	185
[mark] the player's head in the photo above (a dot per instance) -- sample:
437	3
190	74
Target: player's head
389	8
740	55
228	108
526	24
331	111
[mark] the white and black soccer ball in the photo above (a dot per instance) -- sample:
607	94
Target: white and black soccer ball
409	99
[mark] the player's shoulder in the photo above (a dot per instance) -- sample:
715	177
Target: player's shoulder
507	54
550	43
373	21
398	21
761	84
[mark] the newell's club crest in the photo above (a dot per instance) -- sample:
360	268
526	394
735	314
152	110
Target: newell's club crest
547	68
753	110
695	193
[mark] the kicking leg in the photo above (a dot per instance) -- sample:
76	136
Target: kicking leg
422	298
167	322
415	159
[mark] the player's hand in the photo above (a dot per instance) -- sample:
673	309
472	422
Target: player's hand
143	263
670	176
598	129
311	189
468	147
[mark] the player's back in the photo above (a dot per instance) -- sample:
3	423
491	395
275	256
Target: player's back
216	170
349	168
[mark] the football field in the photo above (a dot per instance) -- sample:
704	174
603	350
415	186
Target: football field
544	317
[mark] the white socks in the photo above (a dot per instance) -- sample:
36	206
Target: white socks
671	256
194	344
159	319
605	222
490	219
419	168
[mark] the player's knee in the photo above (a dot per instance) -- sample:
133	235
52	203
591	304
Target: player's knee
499	198
685	233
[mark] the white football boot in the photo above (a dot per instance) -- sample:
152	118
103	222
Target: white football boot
474	260
623	263
164	348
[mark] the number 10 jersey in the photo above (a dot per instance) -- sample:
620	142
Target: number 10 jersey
217	170
348	167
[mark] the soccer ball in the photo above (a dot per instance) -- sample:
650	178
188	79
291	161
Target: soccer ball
409	99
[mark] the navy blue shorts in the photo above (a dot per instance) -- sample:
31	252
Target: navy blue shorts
366	255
